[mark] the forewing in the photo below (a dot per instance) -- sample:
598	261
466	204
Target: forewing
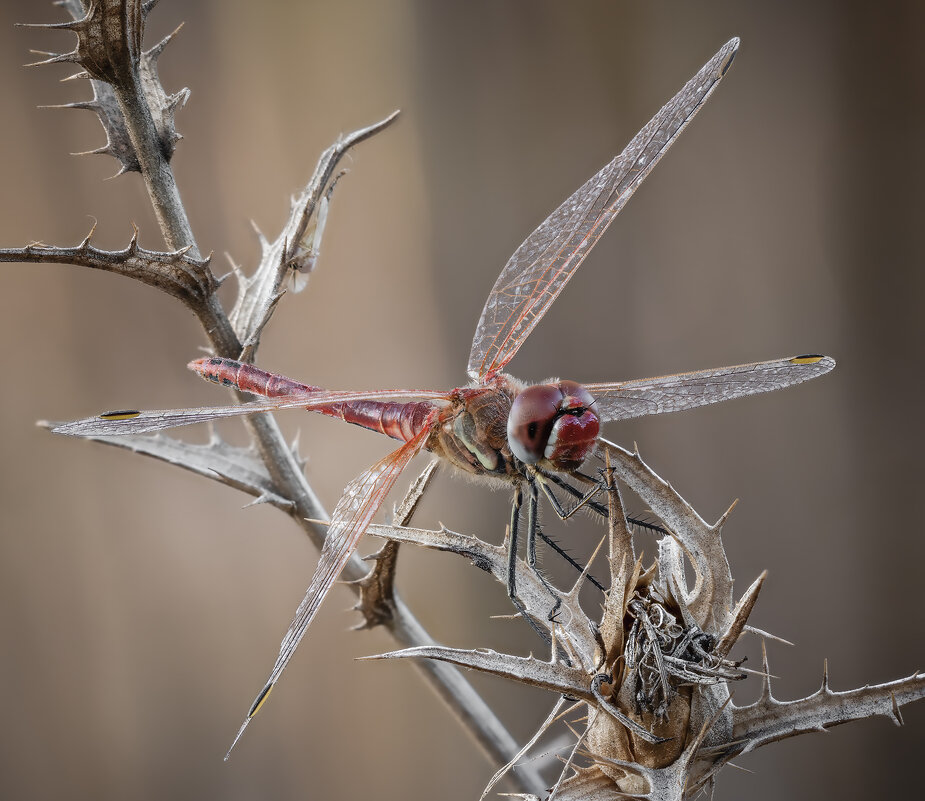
361	499
137	422
543	264
674	393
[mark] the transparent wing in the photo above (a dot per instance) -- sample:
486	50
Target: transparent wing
539	269
361	499
673	393
136	422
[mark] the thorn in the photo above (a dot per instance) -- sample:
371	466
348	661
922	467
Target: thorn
85	245
60	58
825	676
260	237
90	105
77	76
67	25
739	767
235	268
272	499
725	515
767	635
897	715
154	52
766	684
102	150
758	673
740	615
584	573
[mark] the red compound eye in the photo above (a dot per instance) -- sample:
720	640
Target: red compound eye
575	396
530	421
554	422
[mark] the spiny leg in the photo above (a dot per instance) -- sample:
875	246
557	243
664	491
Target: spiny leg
533	529
516	503
532	526
597	508
557	507
584	500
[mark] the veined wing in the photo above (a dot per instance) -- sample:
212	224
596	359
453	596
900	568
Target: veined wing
674	393
539	269
361	499
136	422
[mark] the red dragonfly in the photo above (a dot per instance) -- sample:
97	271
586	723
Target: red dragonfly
495	427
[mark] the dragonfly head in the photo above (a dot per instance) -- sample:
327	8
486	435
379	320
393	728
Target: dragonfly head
553	422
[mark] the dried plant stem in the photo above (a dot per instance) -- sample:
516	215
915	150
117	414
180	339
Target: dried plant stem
290	483
156	172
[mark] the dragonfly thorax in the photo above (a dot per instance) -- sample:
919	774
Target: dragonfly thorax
553	423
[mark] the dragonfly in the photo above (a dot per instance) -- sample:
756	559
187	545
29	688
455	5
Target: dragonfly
495	427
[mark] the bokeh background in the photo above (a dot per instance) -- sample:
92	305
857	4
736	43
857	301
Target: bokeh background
141	608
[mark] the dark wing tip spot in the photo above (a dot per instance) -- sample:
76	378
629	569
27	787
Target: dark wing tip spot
122	414
808	358
259	701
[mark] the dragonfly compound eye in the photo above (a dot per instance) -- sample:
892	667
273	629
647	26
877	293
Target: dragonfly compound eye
530	421
575	429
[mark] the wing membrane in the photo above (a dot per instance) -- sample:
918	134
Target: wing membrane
361	499
674	393
539	269
136	422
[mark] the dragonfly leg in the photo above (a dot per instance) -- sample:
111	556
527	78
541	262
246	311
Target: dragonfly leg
512	544
543	480
583	498
597	508
532	525
532	530
516	506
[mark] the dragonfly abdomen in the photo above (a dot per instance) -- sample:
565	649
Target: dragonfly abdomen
248	378
397	420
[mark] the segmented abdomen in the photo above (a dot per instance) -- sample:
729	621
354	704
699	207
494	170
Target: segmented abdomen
398	420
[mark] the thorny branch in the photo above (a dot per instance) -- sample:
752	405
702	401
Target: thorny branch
653	672
137	116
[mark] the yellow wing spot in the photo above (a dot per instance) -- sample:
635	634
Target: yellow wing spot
260	701
125	414
811	358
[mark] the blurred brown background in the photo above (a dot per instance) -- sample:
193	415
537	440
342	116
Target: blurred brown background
141	608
